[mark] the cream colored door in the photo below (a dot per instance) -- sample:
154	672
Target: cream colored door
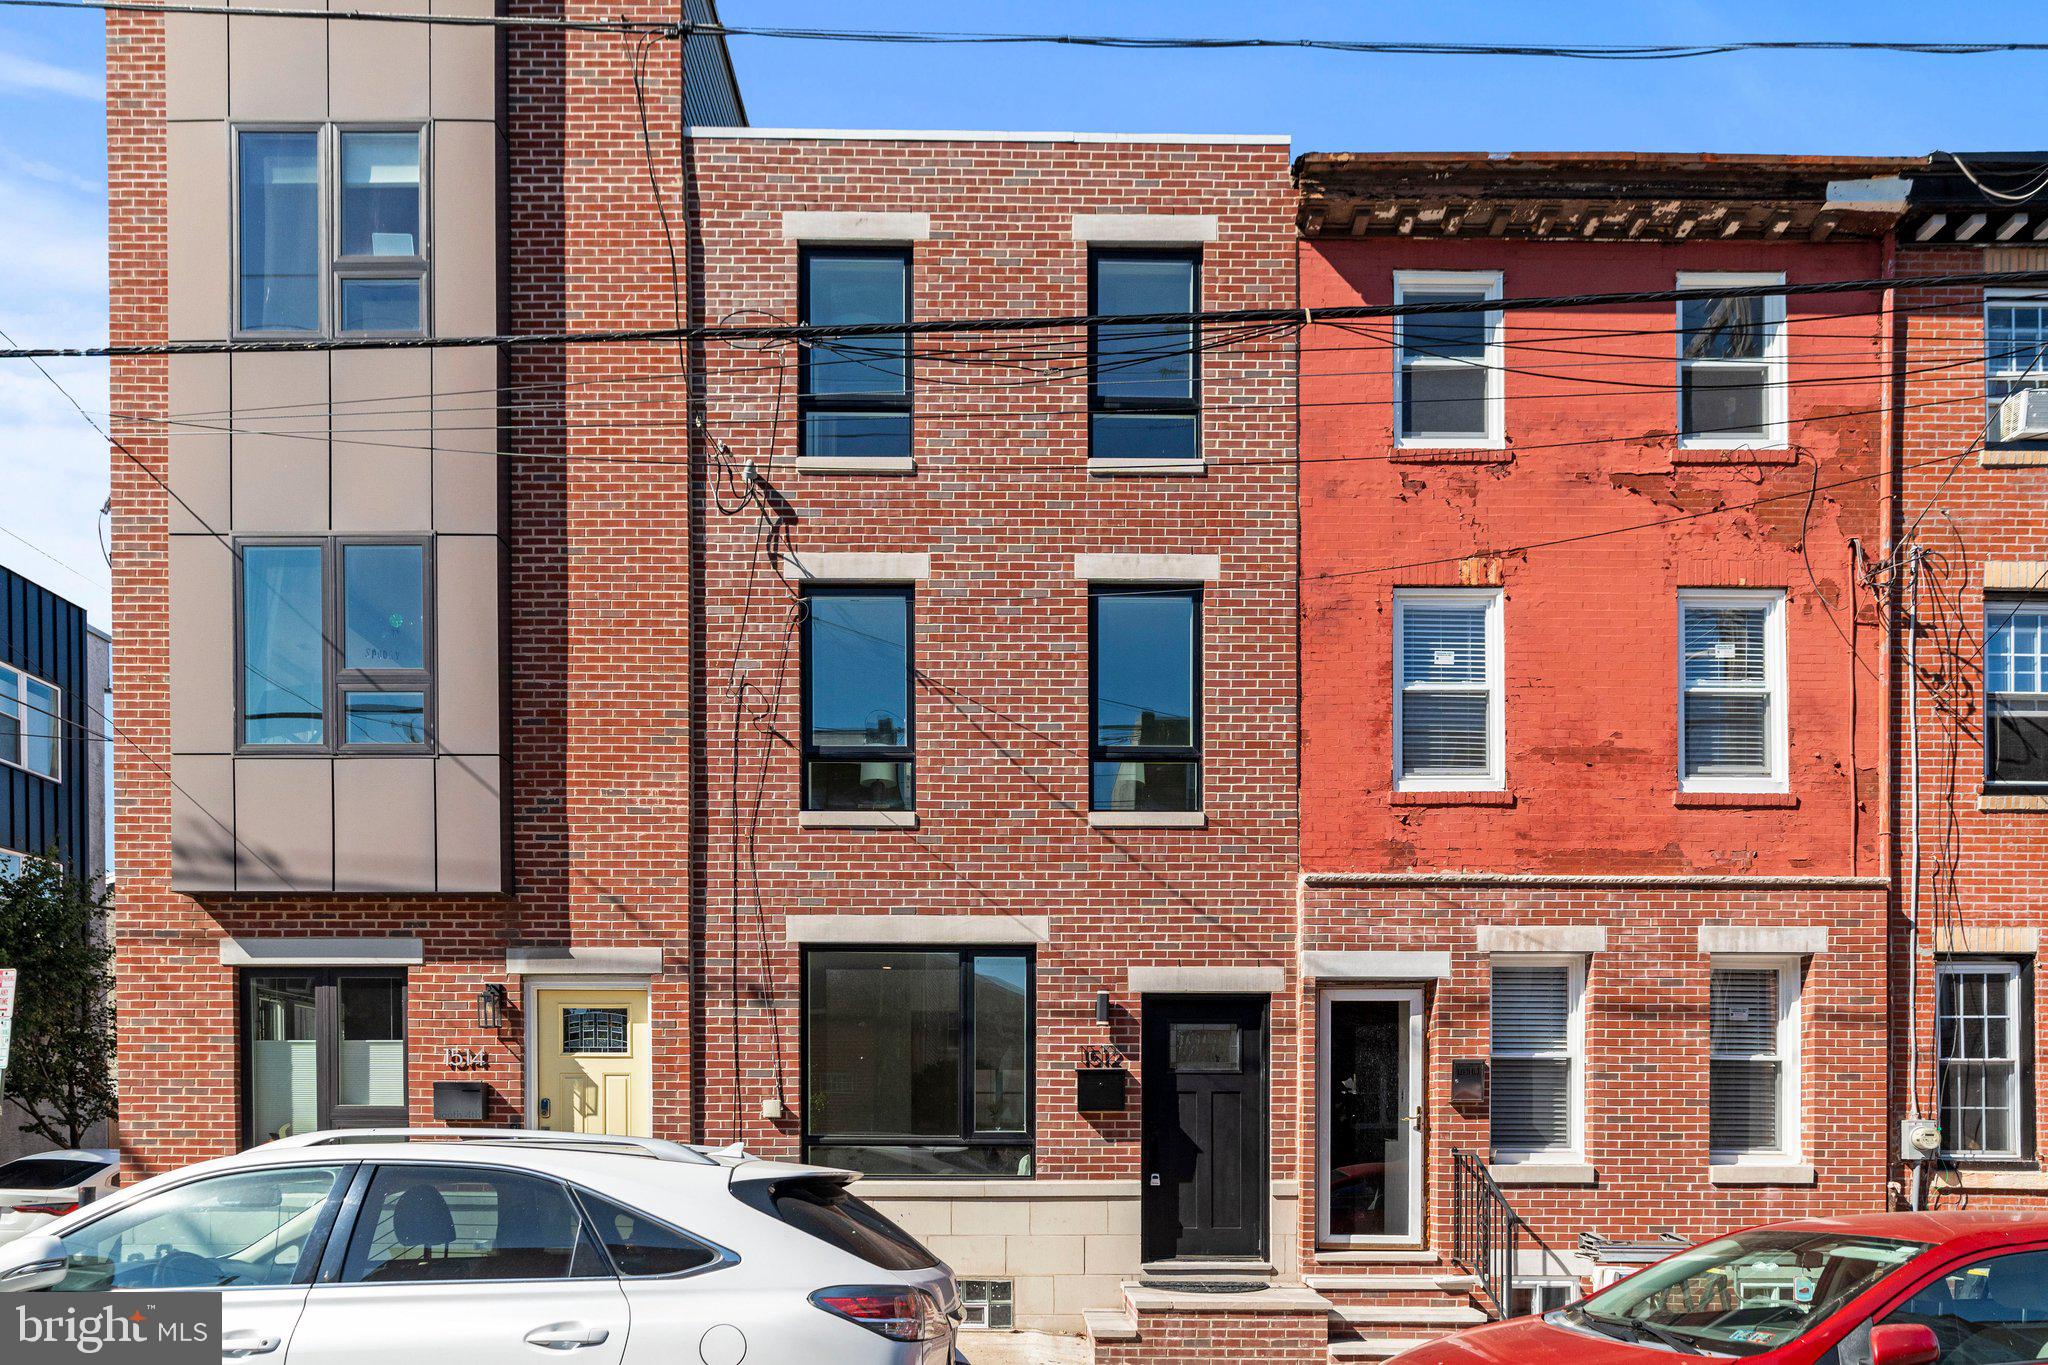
592	1066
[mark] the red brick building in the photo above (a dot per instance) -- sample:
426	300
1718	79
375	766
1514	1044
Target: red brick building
1964	587
1591	767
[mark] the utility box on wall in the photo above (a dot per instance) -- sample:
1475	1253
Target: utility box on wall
461	1101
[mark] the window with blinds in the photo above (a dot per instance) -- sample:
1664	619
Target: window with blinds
1747	1062
2016	692
1533	1081
1447	699
1978	1042
1731	696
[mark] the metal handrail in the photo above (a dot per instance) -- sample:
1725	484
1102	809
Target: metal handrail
1485	1230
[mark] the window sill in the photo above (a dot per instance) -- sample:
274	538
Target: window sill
1099	467
1731	455
1971	1177
1148	819
1544	1173
1760	1173
855	464
1451	455
857	819
2012	457
1451	798
2012	803
1735	800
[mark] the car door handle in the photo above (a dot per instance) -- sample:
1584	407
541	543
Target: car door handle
567	1336
240	1345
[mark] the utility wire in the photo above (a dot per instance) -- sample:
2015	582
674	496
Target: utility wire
1029	323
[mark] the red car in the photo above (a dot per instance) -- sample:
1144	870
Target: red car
1877	1289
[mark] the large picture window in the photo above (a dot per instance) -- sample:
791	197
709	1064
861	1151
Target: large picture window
322	1049
1731	364
1144	390
2016	692
31	723
854	395
1979	1032
336	645
857	699
1146	699
365	277
919	1061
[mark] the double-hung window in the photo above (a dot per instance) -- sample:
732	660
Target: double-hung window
919	1061
1448	392
858	707
335	645
31	723
1753	1061
2015	347
1731	701
1980	1038
853	395
1448	724
1537	1042
1731	364
330	231
1144	388
1146	694
2016	692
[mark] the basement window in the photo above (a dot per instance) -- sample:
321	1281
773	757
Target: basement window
988	1304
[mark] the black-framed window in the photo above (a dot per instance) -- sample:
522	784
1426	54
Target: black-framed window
919	1061
1983	1043
854	396
2016	692
322	1048
335	645
859	704
1144	386
1145	698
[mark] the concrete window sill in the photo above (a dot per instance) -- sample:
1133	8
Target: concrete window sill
855	464
857	819
1757	1173
1424	798
1735	800
1128	468
1545	1173
2012	803
1147	819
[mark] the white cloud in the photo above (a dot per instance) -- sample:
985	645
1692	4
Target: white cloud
27	76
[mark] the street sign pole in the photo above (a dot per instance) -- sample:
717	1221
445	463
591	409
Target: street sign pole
7	979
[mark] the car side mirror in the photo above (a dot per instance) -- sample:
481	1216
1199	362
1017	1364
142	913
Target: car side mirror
36	1261
1904	1343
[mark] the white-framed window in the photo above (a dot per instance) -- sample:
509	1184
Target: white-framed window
1448	366
1979	1033
1753	1060
1731	694
2016	692
1536	1297
1538	1048
1449	726
2015	346
1731	364
31	723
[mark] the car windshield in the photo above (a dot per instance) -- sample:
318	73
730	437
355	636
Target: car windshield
1745	1294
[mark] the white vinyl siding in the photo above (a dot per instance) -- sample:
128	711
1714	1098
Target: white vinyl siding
1753	1065
1977	1029
1449	366
1732	708
1731	365
1536	1049
1448	722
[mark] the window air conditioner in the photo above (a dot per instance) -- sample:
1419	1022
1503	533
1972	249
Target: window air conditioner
2023	416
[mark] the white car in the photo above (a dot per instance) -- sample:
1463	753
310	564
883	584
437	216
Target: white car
38	1190
471	1248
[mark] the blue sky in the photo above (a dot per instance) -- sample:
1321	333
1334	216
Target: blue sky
52	159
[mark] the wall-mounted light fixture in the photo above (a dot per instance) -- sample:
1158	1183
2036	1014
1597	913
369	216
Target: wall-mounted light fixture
1102	1007
490	1007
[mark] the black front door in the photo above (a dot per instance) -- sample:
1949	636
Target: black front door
1204	1100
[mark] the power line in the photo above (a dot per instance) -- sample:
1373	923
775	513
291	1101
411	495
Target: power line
1284	317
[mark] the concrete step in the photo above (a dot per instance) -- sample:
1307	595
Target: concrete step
1407	1315
1381	1256
1373	1348
1206	1270
1109	1324
1392	1282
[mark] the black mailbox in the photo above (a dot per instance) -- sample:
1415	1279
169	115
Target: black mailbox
1468	1083
1099	1090
461	1101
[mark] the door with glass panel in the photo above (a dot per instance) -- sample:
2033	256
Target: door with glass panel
594	1073
322	1049
1370	1171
